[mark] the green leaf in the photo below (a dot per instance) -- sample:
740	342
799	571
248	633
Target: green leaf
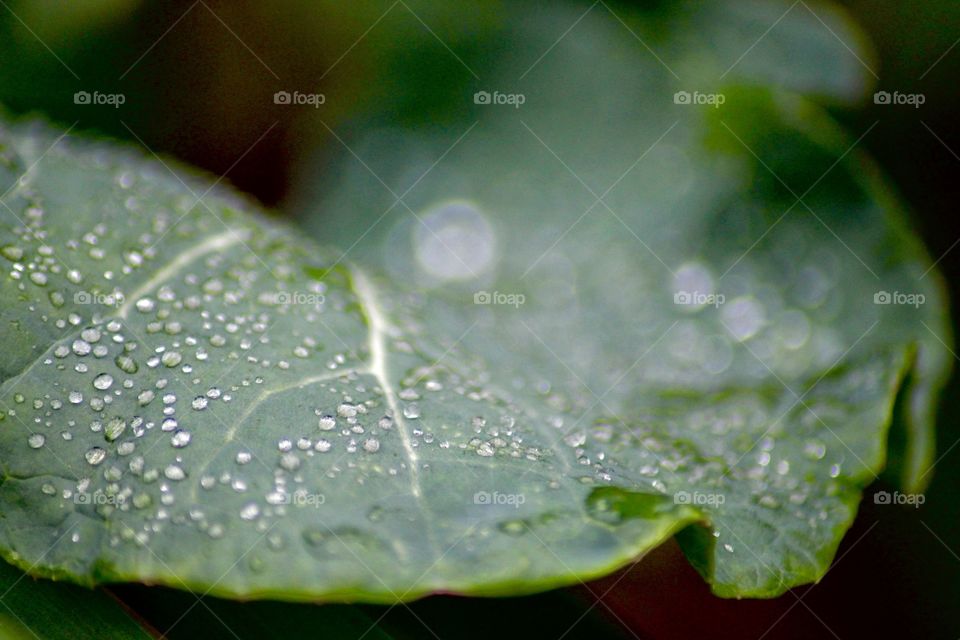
241	423
32	608
197	397
599	198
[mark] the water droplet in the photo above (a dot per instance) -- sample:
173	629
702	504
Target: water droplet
103	381
180	439
171	358
36	440
327	423
199	403
815	450
346	410
577	439
12	253
81	347
115	427
250	511
322	445
768	501
371	445
125	363
513	527
174	472
290	461
95	455
411	411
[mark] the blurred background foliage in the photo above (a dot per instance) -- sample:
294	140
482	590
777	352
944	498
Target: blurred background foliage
199	79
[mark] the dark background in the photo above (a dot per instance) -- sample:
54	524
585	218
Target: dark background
200	95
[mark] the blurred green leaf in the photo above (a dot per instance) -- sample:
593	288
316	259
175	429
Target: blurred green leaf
624	306
31	608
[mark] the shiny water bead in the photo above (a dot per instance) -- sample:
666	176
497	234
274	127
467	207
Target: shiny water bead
81	347
180	439
171	358
95	455
103	381
174	472
126	364
114	428
12	253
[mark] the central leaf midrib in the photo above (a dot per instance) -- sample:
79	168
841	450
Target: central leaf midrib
376	344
